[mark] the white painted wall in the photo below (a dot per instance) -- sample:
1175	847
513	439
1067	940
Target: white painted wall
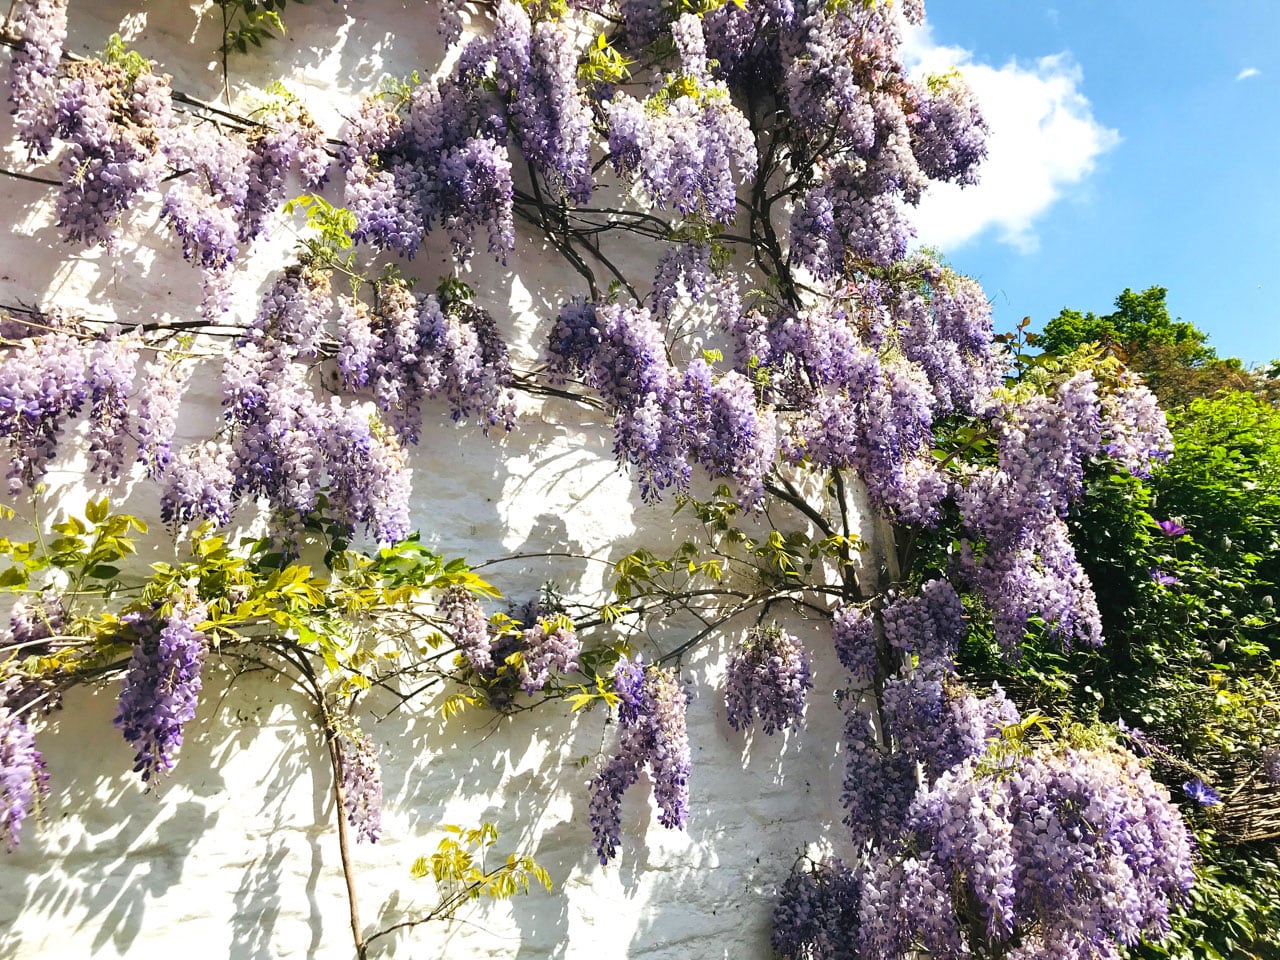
236	854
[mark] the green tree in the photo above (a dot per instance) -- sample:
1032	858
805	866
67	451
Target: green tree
1173	356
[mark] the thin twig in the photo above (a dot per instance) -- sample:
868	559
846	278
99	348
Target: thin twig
29	177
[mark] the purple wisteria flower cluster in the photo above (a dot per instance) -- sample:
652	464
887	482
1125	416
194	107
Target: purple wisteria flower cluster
1136	432
930	624
33	620
548	644
470	627
816	912
281	440
287	444
1071	852
437	156
651	713
42	385
882	136
528	650
120	137
551	115
686	142
767	679
1055	850
237	180
361	785
113	363
164	383
113	122
161	686
410	349
42	25
664	420
691	273
1065	849
928	720
1021	558
853	637
441	154
869	373
24	778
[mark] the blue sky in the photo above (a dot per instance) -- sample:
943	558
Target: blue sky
1133	144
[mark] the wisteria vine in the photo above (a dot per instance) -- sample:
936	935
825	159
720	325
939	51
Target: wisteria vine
767	154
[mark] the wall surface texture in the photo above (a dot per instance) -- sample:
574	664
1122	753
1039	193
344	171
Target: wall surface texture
235	855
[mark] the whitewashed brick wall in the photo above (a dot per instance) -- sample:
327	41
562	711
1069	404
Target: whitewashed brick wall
236	855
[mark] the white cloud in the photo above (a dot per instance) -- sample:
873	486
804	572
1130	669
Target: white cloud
1043	142
1248	72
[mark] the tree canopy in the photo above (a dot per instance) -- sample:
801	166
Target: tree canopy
1173	355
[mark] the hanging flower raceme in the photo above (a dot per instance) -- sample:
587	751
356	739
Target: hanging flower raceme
664	420
1135	432
651	712
686	142
114	118
1020	556
816	910
33	67
164	382
854	639
24	778
236	181
948	334
882	135
936	722
767	679
470	627
620	352
878	783
551	643
857	409
286	139
113	362
161	685
551	115
368	473
949	136
199	483
435	157
1070	850
42	385
33	620
927	722
361	785
929	625
410	349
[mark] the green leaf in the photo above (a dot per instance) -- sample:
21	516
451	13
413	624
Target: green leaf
95	511
14	578
72	527
456	703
